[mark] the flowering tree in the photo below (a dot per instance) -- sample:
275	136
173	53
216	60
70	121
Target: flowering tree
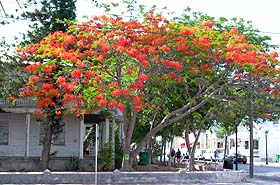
111	63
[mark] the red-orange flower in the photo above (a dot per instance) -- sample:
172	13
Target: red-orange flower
145	63
48	69
136	100
132	52
31	68
116	92
99	96
112	104
58	113
76	73
138	108
35	79
121	107
129	70
266	115
208	24
102	103
37	113
126	92
234	31
143	77
61	80
89	74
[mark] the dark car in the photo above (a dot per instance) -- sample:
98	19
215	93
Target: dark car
240	158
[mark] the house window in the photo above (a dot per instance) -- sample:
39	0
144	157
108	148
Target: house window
58	135
4	132
220	145
255	144
246	145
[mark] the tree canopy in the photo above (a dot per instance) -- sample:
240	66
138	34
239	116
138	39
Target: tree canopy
112	63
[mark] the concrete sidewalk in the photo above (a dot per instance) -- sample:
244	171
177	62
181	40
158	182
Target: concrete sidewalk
272	164
266	177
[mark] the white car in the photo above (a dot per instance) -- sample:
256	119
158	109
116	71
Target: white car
210	156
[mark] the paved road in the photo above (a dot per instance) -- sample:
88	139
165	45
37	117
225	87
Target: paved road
263	171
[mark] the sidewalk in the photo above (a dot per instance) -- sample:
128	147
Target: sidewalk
273	164
267	176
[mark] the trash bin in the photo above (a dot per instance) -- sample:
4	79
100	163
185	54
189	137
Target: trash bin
143	158
277	157
228	164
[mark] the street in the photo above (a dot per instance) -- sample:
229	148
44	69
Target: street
263	174
261	169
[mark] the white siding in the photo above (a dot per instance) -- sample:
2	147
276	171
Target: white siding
17	137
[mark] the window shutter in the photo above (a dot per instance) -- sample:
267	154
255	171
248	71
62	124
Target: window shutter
4	132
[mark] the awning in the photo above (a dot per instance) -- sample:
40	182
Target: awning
183	145
191	144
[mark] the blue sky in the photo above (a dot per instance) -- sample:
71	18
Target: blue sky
263	14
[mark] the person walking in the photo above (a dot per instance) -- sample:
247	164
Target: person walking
178	156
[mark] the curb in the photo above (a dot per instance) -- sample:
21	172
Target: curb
265	177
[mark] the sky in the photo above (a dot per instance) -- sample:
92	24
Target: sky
263	14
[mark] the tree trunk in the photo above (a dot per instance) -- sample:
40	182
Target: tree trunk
45	157
225	147
127	161
251	127
171	146
191	150
128	127
150	155
191	160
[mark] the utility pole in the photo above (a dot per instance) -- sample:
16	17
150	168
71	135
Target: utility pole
251	122
266	154
236	147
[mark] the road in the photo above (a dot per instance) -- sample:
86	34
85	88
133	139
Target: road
263	171
260	169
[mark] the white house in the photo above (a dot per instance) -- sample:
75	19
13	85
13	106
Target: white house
265	136
21	136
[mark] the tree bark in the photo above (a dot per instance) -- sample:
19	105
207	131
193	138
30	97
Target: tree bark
225	147
170	149
128	131
251	127
191	150
45	157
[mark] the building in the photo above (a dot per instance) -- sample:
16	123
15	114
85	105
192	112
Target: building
21	138
265	136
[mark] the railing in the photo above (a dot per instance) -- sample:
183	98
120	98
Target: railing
20	102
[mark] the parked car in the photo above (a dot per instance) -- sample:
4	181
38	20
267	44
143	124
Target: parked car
240	158
199	157
213	156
